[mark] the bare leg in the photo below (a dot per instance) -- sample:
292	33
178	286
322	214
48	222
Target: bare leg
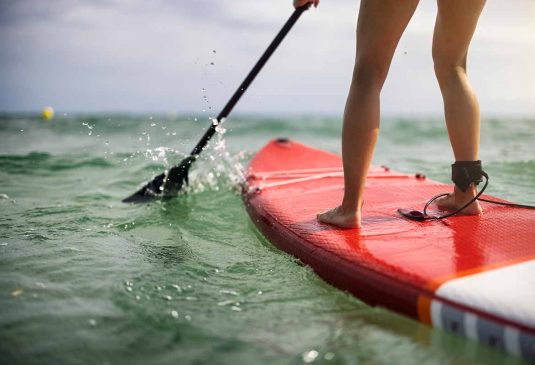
455	25
380	26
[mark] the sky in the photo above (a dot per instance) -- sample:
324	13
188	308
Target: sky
189	56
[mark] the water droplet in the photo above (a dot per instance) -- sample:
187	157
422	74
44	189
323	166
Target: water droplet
174	314
128	289
15	293
177	287
225	291
153	124
214	51
187	317
310	356
41	285
235	309
3	244
138	297
191	298
259	292
168	297
329	356
107	143
211	63
92	322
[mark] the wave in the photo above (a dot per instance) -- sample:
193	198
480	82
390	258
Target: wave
43	162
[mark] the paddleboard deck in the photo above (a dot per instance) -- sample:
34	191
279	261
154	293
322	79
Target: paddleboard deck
472	275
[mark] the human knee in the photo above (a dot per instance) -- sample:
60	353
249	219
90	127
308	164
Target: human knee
448	68
369	74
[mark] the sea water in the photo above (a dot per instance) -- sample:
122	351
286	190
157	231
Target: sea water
87	279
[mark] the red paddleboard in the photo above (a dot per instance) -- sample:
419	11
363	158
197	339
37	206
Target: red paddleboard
472	275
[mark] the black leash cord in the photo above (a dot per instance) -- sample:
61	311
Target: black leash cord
427	217
423	216
514	205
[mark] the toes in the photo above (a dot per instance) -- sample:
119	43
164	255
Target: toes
324	216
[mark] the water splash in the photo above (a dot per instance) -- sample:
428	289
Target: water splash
90	127
160	154
217	168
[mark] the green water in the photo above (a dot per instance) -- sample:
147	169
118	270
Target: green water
85	279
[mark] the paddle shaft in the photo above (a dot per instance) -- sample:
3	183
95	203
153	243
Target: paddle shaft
248	80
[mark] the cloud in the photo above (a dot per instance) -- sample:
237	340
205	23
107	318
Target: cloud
105	55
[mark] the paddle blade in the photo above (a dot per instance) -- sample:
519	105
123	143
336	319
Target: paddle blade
177	177
152	190
165	185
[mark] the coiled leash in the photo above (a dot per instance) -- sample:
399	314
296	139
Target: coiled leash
463	174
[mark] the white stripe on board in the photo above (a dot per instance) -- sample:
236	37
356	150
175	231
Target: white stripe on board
436	314
512	340
506	292
470	326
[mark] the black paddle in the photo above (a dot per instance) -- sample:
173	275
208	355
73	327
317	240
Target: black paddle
169	183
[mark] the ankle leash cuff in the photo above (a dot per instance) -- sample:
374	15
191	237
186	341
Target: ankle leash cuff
464	173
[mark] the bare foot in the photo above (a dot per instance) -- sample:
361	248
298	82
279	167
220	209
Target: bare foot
340	217
459	198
